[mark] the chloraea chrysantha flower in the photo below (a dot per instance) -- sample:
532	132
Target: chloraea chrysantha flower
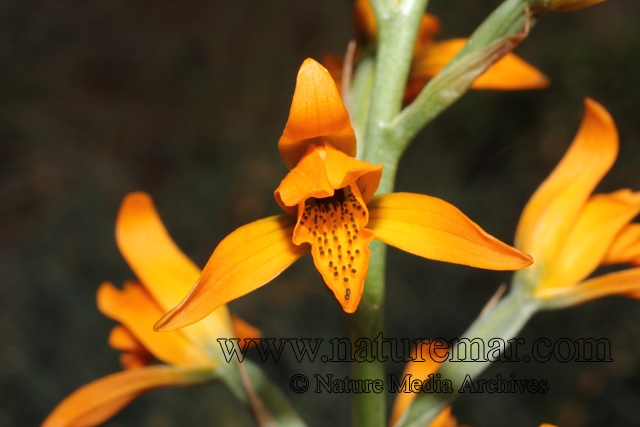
430	57
191	355
571	232
332	212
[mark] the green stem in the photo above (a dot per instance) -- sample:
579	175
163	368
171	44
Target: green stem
369	409
504	321
361	91
398	27
397	31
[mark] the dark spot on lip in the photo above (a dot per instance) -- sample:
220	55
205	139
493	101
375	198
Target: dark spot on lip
353	270
335	274
346	296
346	279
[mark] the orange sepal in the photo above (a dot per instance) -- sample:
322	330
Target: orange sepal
434	229
623	283
137	311
510	73
625	248
98	401
597	225
144	242
317	115
553	208
166	272
248	258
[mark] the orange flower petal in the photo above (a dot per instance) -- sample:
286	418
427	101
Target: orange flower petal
164	270
335	228
510	73
137	311
553	208
597	225
625	248
122	339
624	283
317	115
432	228
343	171
307	179
98	401
248	258
323	170
418	371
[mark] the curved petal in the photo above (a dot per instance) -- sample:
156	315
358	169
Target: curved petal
137	311
623	283
599	222
98	401
343	171
307	179
553	208
248	258
625	248
166	272
419	371
321	171
432	228
317	115
510	73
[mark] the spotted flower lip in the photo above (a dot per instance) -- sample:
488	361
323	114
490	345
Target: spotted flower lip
190	355
332	213
571	232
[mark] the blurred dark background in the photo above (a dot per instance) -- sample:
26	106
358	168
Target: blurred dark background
186	100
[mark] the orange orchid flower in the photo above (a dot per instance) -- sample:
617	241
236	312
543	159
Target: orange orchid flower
430	57
332	212
191	354
571	232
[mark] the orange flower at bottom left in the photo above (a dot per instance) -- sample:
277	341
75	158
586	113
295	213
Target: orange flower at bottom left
192	354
